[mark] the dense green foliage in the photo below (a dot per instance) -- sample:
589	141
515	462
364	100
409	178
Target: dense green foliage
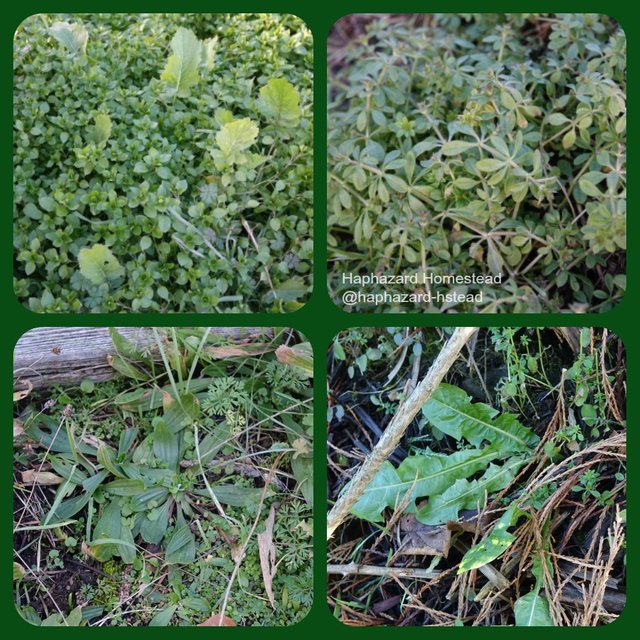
179	147
482	144
159	478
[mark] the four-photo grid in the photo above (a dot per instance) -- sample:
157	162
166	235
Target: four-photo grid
164	475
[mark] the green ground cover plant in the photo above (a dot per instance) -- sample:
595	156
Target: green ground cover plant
480	144
178	491
505	501
162	162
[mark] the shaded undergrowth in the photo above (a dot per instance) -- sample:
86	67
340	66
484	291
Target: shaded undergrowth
562	558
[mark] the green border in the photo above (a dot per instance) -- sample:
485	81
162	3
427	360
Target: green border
320	319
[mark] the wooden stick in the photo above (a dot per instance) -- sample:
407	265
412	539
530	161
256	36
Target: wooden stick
398	425
353	569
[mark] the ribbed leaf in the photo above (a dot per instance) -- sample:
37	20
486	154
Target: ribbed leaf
127	438
107	458
181	547
468	495
163	617
423	475
127	550
149	499
154	523
108	528
92	483
532	610
68	508
125	487
165	445
181	70
181	412
233	495
451	411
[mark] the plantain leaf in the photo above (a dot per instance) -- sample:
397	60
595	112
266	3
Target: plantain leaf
212	443
163	617
155	522
48	432
302	468
165	445
93	482
124	487
464	494
233	495
68	508
423	475
107	458
149	499
127	438
125	368
451	411
182	412
532	610
181	547
279	101
181	69
127	549
108	528
98	264
124	346
494	545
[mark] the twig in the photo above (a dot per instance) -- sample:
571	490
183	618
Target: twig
249	231
353	569
213	496
398	425
243	550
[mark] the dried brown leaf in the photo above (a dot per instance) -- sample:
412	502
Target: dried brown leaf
300	447
238	350
167	400
267	551
216	620
22	394
424	539
18	428
40	477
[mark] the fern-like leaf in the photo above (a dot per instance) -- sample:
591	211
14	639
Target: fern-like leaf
451	411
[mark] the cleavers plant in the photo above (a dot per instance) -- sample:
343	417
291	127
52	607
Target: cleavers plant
482	144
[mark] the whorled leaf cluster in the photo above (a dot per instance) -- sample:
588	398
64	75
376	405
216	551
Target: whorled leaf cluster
482	144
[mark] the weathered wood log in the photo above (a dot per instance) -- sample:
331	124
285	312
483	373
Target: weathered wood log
66	355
